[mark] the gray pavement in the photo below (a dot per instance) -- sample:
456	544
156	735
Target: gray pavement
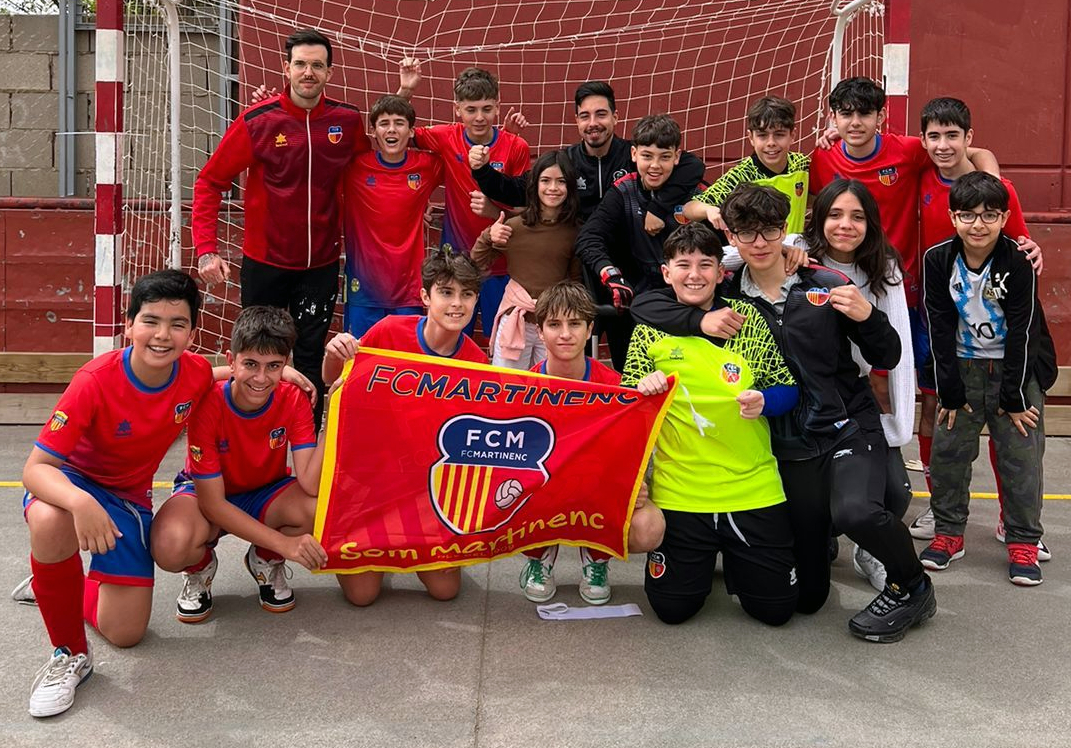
484	670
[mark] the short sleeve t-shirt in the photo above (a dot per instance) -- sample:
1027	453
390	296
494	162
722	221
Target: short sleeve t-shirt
406	334
248	449
115	430
935	225
596	372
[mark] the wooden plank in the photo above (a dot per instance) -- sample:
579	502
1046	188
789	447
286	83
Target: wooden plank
1062	388
40	368
25	409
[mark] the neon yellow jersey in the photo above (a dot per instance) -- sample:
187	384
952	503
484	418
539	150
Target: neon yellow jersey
707	458
792	183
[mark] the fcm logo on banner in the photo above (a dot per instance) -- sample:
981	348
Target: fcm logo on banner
488	470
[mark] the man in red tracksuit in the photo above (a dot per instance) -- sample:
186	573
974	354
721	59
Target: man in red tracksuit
295	146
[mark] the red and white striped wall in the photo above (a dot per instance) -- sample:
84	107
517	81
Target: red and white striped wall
897	55
108	213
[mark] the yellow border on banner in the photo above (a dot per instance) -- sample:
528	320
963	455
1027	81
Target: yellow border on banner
330	456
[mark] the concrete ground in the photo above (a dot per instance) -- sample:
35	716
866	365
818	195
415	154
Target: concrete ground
485	671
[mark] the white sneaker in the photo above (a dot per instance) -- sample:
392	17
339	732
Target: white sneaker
194	603
595	585
1044	554
23	593
922	526
868	568
53	687
271	576
537	576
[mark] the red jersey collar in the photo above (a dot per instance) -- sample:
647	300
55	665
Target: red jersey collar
295	110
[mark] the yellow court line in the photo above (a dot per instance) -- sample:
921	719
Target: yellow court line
916	494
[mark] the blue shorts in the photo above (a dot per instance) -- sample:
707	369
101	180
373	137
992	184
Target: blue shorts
255	503
492	290
130	563
920	344
359	319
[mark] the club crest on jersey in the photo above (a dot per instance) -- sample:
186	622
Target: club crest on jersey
413	180
57	421
818	296
730	373
488	469
277	438
678	215
196	453
334	133
280	141
656	564
799	189
887	176
498	165
182	411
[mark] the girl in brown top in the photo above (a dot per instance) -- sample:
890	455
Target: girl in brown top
538	246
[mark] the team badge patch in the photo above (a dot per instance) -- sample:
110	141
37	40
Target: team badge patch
498	165
334	133
413	180
355	285
887	176
196	453
182	411
280	140
799	189
277	437
818	296
656	565
488	470
678	215
57	421
730	373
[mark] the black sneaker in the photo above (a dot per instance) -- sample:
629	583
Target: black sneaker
893	612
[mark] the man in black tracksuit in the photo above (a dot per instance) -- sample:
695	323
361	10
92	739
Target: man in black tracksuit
831	447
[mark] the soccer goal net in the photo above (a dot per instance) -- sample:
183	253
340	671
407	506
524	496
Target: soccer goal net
191	66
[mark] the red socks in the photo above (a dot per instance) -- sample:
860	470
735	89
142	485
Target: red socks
266	555
89	605
925	446
205	561
60	591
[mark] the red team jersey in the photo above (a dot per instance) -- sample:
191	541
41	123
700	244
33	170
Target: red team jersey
935	223
383	225
892	174
597	372
248	449
114	430
508	154
406	334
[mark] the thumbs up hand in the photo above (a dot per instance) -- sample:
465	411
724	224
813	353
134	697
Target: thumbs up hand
500	232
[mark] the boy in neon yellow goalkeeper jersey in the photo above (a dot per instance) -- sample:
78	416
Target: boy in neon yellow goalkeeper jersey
715	478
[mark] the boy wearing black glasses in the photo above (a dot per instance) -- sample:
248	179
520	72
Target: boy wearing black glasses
993	359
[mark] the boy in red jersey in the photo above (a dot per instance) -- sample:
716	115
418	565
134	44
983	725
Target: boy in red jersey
236	478
89	482
946	136
468	213
450	285
393	185
565	315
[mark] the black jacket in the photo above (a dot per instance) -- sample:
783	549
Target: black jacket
1028	347
595	176
815	340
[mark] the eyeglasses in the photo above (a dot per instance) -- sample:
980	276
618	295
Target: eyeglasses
769	233
969	216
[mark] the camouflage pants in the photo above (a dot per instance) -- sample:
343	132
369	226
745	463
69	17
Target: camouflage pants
1019	457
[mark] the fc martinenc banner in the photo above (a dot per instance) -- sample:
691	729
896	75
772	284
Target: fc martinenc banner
432	463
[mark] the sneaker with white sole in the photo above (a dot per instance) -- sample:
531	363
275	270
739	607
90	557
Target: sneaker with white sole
869	568
271	576
595	583
53	687
537	576
23	593
194	603
1044	554
922	526
1023	568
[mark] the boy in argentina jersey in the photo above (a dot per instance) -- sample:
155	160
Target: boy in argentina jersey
89	482
715	477
236	479
476	105
386	193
